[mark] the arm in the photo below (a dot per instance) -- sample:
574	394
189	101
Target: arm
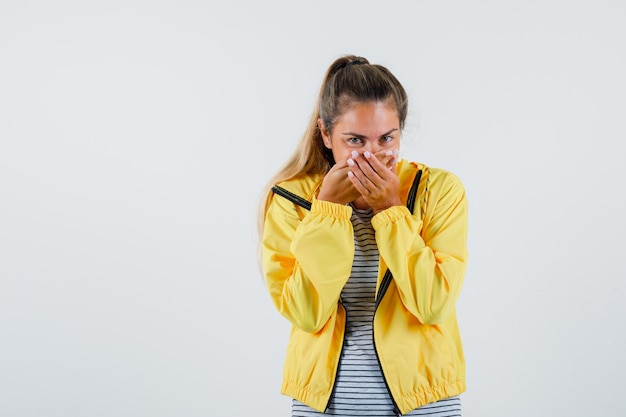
307	262
427	260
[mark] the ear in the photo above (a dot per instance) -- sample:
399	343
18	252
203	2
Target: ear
325	135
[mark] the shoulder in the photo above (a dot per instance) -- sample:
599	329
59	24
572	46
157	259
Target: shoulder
434	176
445	179
437	188
303	186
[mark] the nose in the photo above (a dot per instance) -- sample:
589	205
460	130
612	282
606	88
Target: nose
373	147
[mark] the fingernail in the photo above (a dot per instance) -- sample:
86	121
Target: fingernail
367	154
395	152
389	153
355	154
350	162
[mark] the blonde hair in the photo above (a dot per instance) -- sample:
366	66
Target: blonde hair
349	79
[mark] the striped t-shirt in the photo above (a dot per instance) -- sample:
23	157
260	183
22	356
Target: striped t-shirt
360	389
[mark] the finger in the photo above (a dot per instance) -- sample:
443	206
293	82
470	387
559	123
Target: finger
368	172
356	174
357	184
387	157
392	165
373	184
375	169
340	164
393	160
373	174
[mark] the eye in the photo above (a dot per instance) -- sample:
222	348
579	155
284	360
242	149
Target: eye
355	141
386	139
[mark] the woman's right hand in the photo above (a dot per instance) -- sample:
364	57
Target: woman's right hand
337	187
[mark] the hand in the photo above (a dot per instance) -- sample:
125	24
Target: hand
375	178
337	187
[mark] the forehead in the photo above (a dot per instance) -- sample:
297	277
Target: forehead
369	117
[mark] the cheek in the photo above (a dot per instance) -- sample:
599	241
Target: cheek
394	144
341	154
340	151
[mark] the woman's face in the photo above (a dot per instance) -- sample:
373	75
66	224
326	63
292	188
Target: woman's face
367	126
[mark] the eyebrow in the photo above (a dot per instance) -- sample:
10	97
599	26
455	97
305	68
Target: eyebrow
358	135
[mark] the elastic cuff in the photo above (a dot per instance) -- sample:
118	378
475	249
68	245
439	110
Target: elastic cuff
327	208
389	215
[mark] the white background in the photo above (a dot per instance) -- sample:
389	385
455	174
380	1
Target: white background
135	137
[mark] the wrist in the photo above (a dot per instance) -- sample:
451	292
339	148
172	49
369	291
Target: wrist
386	205
329	197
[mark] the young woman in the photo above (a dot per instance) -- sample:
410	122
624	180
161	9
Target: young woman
365	255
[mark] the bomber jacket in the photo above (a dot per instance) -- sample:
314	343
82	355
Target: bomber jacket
307	259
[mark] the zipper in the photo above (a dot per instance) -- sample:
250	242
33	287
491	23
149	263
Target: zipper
384	285
343	339
294	198
381	292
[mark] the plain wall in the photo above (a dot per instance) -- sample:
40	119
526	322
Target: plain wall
135	137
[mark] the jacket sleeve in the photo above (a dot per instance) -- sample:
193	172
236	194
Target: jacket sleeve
428	257
307	261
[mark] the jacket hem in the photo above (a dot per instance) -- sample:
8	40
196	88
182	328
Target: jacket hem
315	400
411	401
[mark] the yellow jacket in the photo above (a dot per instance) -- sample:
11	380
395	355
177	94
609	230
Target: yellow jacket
307	258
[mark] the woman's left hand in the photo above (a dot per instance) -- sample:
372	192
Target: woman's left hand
377	182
